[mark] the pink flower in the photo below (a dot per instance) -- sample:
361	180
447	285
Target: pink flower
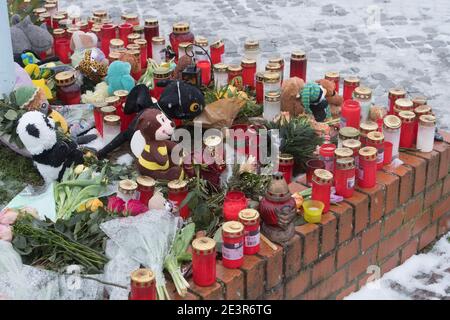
8	216
5	232
135	207
115	205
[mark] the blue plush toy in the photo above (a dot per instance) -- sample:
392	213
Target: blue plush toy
118	77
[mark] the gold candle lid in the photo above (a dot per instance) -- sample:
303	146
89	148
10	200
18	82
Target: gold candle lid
158	40
368	153
50	6
343	152
422	110
363	93
133	36
332	75
58	17
248	216
142	278
368	126
81	24
100	13
406	116
220	67
203	245
286	157
127	185
397	92
121	93
351	80
185	46
161	73
322	176
251	45
392	122
112	120
271	77
108	110
273	67
201	41
39	11
278	60
234	68
133	46
129	16
233	228
151	22
177	184
352	144
138	29
404	104
248	62
427	120
135	52
100	105
59	32
375	137
116	43
345	163
349	132
114	56
140	42
418	101
298	55
145	181
180	27
272	96
65	78
217	44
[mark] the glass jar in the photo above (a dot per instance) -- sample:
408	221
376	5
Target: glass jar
234	202
232	244
111	128
280	61
98	117
391	132
159	74
131	18
145	188
203	62
124	30
420	111
143	285
67	91
350	84
403	104
250	220
248	73
347	133
376	139
127	189
350	114
286	166
180	33
235	76
204	261
220	75
61	45
298	65
326	154
321	187
344	177
272	105
143	47
151	30
107	34
259	80
252	52
407	130
354	145
340	153
272	82
367	169
364	129
178	191
394	94
217	49
158	49
334	76
364	96
425	137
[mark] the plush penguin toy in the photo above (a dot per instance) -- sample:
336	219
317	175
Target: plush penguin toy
51	154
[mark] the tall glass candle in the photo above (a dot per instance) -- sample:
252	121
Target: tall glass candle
131	18
125	119
158	52
419	101
220	75
407	131
272	105
252	52
178	191
159	74
350	114
286	166
124	30
354	145
426	130
127	190
394	94
326	154
108	32
364	129
203	63
111	128
279	61
217	49
364	96
145	188
403	104
151	30
248	73
61	45
344	177
376	139
367	169
298	65
235	76
420	111
143	285
333	76
275	67
98	116
143	48
340	153
232	244
234	202
272	82
67	91
321	187
250	219
350	84
204	261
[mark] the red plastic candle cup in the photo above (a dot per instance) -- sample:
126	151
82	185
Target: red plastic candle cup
334	76
232	244
235	76
68	91
311	165
344	177
217	49
376	139
142	43
321	187
355	145
259	87
394	94
350	114
407	131
151	29
234	202
98	117
340	153
205	68
107	33
298	65
143	285
178	191
286	166
387	152
248	73
250	219
204	261
326	154
124	30
367	170
158	75
350	84
146	188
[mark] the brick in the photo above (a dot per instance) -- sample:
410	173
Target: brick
298	284
371	236
432	194
360	204
444	224
421	223
428	236
432	165
391	185
275	293
293	256
390	263
441	208
359	266
391	244
420	170
344	214
213	292
324	268
444	160
296	187
376	202
413	208
253	268
446	186
328	233
327	288
445	135
346	291
174	294
406	181
393	222
310	233
273	264
347	252
232	280
409	250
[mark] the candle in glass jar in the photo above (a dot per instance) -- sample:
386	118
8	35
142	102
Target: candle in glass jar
376	139
350	114
354	145
252	52
178	191
107	34
344	177
143	48
145	188
275	67
61	45
138	29
217	49
203	63
46	18
159	74
364	129
326	154
220	75
56	18
111	128
82	26
340	153
333	76
321	187
350	84
180	33
286	166
403	104
232	244
279	61
143	285
298	65
347	133
235	76
185	48
51	8
426	131
67	91
37	12
272	82
272	105
259	80
132	37
151	30
419	101
394	94
158	49
367	169
364	96
234	202
391	132
124	30
98	116
116	45
204	261
248	73
420	111
250	219
131	18
407	129
127	190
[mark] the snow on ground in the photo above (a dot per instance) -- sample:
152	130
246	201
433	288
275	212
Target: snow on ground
423	276
385	42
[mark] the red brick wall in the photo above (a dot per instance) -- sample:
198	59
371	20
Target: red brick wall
407	210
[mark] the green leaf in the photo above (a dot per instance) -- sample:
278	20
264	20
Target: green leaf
11	115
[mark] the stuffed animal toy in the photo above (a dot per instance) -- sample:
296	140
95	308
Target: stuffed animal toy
290	101
118	77
155	160
27	36
22	77
333	98
181	100
94	65
133	60
38	76
50	153
81	41
313	98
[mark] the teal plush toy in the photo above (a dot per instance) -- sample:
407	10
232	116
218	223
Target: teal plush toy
118	77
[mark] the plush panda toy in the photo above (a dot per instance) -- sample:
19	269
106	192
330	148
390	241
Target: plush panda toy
50	153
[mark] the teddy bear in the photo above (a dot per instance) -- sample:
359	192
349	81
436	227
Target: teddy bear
118	77
93	65
333	98
290	101
27	36
155	160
